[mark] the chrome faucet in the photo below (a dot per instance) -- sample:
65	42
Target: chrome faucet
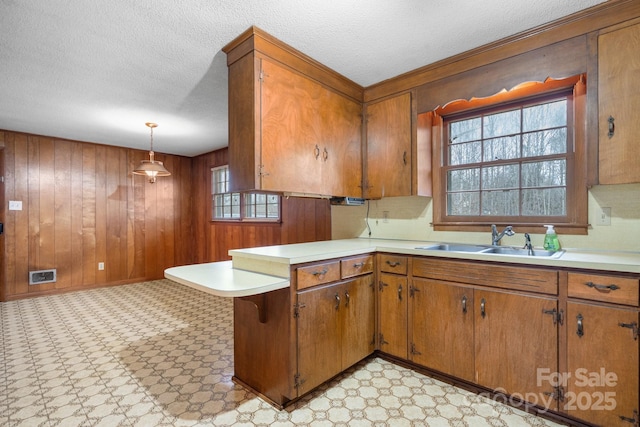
495	236
527	244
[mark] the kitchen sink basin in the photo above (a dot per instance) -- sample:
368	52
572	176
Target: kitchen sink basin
453	247
497	250
506	250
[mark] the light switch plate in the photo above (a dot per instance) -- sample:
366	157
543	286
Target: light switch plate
604	216
15	205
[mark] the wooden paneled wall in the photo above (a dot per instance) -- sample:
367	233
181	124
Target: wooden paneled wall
303	219
81	205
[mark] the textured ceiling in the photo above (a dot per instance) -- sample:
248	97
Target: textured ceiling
97	70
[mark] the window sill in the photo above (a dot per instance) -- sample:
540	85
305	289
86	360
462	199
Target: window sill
538	228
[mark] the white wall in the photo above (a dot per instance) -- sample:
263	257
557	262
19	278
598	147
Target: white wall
409	218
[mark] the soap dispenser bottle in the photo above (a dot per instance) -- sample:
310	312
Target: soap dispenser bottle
551	242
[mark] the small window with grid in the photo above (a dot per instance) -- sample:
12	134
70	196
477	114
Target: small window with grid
249	206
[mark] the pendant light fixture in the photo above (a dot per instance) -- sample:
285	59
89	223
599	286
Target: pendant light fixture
151	168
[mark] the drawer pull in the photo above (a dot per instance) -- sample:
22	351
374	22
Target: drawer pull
337	301
464	304
400	292
320	273
483	308
393	263
612	127
347	298
604	288
358	265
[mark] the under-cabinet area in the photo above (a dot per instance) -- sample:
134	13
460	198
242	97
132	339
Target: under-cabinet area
555	340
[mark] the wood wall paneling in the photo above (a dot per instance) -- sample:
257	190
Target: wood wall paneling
82	206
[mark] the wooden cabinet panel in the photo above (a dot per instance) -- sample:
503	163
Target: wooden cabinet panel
613	289
602	364
486	274
356	266
389	138
514	338
392	314
441	327
319	340
358	320
317	274
619	100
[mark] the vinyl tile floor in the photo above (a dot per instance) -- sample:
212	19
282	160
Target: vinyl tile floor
161	354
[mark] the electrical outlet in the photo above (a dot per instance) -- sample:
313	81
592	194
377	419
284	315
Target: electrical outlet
101	266
604	217
15	205
385	216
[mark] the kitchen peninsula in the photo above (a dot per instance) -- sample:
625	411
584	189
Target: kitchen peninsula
318	308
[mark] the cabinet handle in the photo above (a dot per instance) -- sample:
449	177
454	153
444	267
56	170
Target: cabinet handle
317	151
612	127
325	154
604	288
400	292
393	263
347	298
320	273
358	265
483	308
633	326
580	330
337	301
404	158
464	304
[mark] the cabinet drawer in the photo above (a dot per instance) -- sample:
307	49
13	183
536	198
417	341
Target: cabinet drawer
318	274
614	289
393	264
356	266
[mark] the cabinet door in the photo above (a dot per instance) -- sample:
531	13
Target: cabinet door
602	352
291	157
319	339
619	99
393	310
442	327
389	137
340	145
357	316
310	136
515	338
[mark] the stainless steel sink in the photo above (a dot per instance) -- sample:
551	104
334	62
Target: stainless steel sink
497	250
506	250
453	247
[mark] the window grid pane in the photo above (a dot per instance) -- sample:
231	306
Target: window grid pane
517	188
240	206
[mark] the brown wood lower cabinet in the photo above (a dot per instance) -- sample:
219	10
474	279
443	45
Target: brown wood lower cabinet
442	327
335	329
601	381
516	337
471	321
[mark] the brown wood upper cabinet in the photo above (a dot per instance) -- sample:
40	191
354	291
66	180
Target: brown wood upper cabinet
619	103
294	125
398	158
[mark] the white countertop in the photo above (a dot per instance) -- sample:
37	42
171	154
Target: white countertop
628	262
222	279
219	278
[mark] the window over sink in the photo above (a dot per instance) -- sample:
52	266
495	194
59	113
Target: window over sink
515	158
